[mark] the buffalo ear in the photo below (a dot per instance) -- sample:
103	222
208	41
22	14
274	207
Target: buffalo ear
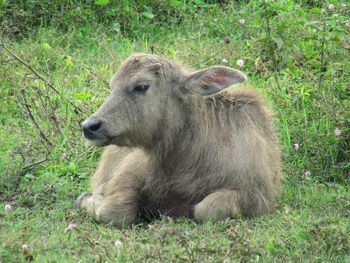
212	80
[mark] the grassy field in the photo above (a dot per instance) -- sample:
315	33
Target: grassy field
296	53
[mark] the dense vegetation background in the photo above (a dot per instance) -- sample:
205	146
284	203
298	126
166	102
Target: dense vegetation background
56	58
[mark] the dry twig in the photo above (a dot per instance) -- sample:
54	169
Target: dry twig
98	76
36	73
29	111
26	169
94	73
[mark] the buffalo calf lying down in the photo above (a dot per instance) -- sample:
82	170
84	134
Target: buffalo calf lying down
181	144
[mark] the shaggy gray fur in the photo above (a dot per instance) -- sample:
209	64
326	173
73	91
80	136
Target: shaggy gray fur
188	146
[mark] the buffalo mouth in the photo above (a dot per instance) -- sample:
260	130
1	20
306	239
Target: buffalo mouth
101	143
98	139
103	140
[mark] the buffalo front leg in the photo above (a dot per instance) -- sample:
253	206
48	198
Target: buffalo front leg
217	206
116	200
119	209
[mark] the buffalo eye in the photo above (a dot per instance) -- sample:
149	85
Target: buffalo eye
141	87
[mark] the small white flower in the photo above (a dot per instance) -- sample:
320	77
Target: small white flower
118	243
224	61
287	209
25	247
71	227
240	63
330	7
242	21
296	146
307	173
337	131
8	208
335	15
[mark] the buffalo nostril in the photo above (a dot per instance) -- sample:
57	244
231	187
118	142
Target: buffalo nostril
90	127
94	127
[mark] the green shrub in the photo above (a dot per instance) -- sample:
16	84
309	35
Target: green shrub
130	18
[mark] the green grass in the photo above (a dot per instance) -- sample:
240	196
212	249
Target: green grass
311	224
311	99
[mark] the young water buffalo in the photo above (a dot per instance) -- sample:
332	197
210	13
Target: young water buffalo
178	144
